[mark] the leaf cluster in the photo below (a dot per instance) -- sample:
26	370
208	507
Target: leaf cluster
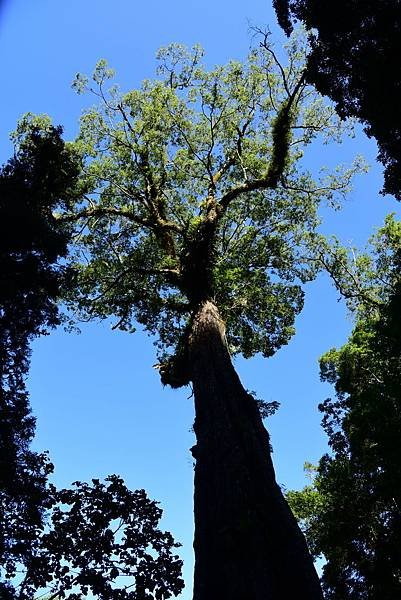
102	539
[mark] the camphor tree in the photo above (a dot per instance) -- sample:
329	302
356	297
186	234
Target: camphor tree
195	224
352	511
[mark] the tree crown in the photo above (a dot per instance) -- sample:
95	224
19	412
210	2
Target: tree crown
195	192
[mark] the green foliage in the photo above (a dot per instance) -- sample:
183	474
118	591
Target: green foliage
107	531
363	279
195	191
351	512
307	505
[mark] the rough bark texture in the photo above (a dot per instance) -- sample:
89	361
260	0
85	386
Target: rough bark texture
247	543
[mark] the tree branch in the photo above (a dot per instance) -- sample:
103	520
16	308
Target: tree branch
101	211
281	135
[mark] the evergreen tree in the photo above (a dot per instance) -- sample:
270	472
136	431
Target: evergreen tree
351	512
196	224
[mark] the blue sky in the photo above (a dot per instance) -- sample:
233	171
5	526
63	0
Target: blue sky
99	403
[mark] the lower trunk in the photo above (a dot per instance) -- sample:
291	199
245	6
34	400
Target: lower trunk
247	543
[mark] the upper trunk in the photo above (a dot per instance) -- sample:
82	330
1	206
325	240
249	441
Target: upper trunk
247	543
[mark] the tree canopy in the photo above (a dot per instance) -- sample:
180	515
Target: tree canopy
354	59
195	190
351	513
197	220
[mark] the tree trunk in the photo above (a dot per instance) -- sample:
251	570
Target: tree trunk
247	543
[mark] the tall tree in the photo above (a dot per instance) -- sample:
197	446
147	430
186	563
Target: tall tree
41	175
352	512
354	59
195	225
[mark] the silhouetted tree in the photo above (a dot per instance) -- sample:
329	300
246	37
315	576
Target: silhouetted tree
102	539
39	177
108	532
196	226
354	59
352	512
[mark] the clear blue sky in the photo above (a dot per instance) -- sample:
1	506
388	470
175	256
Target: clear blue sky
99	403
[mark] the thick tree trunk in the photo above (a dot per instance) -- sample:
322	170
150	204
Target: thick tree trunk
247	543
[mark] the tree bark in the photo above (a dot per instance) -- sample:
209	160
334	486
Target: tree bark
247	543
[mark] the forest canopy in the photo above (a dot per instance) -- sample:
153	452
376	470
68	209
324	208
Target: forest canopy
354	59
351	510
192	215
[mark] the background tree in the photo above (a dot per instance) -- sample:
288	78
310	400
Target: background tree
76	550
352	512
40	176
196	225
355	47
102	539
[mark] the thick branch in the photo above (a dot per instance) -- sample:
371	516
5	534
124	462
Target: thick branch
101	211
281	136
229	163
156	204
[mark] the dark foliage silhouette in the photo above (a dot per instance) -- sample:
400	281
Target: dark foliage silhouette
102	539
32	183
354	59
